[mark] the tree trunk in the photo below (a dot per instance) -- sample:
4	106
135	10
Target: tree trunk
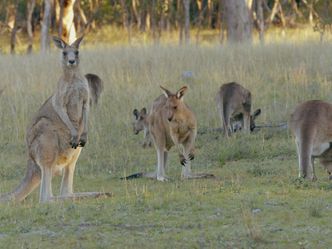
125	19
80	19
200	19
153	21
238	21
45	25
143	16
135	6
209	13
180	20
92	7
60	6
68	27
260	19
223	21
30	7
14	30
11	15
186	5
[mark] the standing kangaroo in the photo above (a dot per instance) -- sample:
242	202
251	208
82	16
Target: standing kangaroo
171	122
58	131
234	105
311	124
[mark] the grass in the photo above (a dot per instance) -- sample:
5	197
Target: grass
256	200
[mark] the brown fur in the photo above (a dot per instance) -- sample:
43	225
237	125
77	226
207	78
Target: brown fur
141	124
326	160
57	133
311	124
234	105
171	122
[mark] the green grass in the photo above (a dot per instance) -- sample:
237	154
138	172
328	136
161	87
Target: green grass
256	201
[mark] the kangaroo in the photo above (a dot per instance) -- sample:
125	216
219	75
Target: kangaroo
58	132
311	124
234	106
141	124
171	122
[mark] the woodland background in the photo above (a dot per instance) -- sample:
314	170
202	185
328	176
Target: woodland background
29	23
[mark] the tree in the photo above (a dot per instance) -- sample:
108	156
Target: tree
45	26
186	5
30	8
260	19
238	21
14	28
66	21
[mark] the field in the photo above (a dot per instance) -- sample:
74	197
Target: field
256	201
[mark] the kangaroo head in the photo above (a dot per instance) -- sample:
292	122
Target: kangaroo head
237	121
70	54
140	120
174	102
252	119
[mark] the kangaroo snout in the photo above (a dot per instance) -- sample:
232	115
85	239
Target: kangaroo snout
71	62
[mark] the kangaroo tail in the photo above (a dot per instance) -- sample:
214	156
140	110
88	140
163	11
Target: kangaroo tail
30	181
133	176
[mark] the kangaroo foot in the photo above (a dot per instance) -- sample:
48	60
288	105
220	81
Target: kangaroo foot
163	178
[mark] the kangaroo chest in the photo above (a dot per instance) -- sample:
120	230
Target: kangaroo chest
179	132
76	95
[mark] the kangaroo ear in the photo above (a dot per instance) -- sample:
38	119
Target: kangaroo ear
143	111
59	43
96	86
256	113
166	92
181	92
76	44
135	112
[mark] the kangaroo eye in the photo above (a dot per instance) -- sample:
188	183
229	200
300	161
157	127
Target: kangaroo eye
174	107
76	52
64	53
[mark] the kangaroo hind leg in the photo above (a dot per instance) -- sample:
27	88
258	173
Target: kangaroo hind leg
66	190
188	155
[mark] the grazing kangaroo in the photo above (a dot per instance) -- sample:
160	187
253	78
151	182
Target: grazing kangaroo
58	131
311	124
234	105
141	124
171	122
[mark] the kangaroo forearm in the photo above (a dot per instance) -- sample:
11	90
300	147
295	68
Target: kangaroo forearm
85	123
61	111
64	117
85	117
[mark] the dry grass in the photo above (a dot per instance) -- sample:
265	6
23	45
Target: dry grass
179	214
